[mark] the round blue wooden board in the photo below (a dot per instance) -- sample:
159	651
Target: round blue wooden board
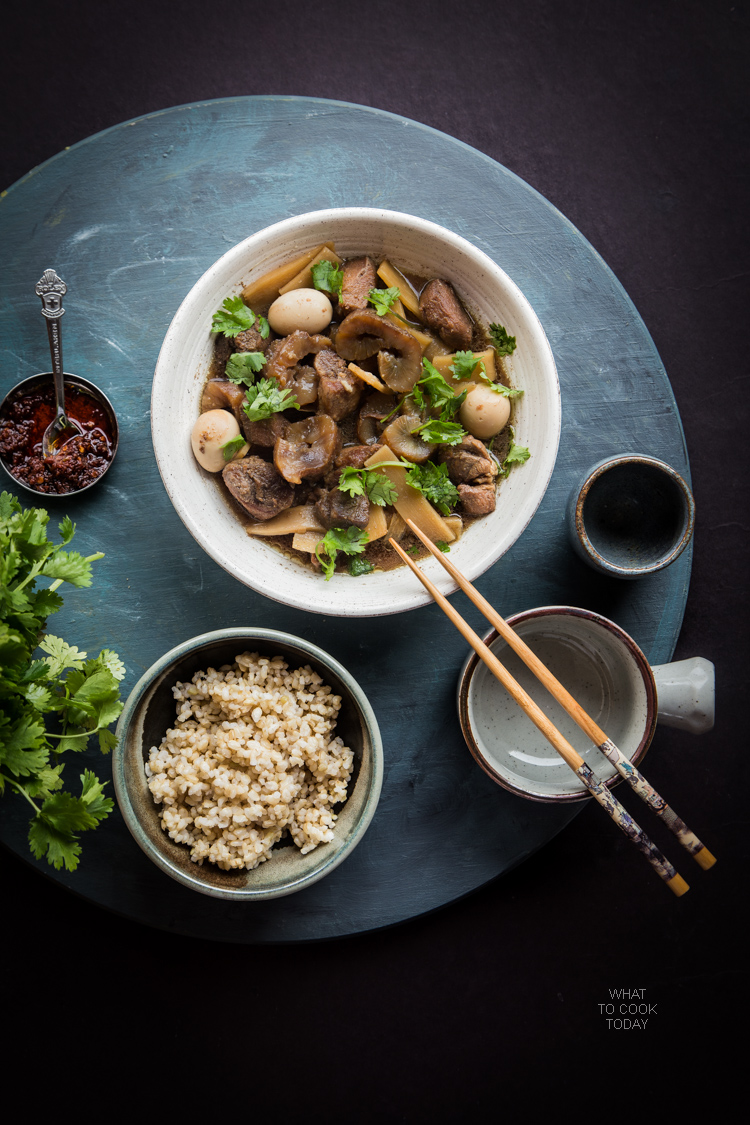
130	218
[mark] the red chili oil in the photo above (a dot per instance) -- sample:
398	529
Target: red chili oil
78	461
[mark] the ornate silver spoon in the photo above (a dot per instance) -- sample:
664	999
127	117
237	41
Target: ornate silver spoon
52	289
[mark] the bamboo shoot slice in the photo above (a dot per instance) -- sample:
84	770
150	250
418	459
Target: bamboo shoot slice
409	503
393	278
436	347
456	524
368	377
304	279
293	520
377	526
421	337
307	541
261	293
397	527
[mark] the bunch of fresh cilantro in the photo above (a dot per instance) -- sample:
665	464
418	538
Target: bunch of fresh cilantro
51	704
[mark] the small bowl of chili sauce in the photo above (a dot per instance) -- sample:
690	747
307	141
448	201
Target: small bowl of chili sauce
25	413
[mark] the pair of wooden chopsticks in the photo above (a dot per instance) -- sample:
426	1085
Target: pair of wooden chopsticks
567	752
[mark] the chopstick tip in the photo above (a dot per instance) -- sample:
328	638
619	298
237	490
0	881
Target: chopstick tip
704	858
678	885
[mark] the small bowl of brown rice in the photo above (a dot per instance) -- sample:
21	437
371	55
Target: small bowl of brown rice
249	763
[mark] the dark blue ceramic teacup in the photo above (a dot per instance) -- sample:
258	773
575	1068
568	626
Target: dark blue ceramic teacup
630	516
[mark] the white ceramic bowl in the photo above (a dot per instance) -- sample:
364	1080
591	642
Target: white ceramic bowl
150	710
183	365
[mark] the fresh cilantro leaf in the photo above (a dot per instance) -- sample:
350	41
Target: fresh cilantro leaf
44	783
107	740
12	646
60	848
67	529
61	655
439	432
53	830
432	481
267	398
501	389
516	455
110	660
442	546
97	689
464	366
233	446
92	795
363	482
358	567
350	540
22	749
70	567
232	318
501	341
8	505
45	602
39	697
380	490
430	369
36	670
328	277
66	813
352	481
382	299
263	326
242	367
77	740
440	392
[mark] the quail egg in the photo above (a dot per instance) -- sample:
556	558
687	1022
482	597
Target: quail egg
305	310
210	433
484	412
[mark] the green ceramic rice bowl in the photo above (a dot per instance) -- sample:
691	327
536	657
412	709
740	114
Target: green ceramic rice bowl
151	709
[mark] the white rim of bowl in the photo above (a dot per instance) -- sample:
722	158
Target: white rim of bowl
393	601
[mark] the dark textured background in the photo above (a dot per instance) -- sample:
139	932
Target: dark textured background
632	119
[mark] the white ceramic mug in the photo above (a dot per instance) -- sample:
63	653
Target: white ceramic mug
605	671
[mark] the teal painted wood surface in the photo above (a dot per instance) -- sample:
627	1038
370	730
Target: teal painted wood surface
130	219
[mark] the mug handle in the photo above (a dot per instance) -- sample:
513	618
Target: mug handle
685	694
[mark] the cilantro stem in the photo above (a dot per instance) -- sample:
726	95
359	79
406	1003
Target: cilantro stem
89	558
396	407
20	789
76	734
34	572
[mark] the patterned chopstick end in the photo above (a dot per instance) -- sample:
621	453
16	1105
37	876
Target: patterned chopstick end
704	858
678	885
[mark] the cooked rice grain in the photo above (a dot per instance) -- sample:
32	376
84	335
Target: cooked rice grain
251	754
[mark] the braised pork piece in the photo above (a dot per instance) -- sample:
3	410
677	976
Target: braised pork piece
356	397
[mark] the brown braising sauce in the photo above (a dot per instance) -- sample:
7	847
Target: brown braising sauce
78	462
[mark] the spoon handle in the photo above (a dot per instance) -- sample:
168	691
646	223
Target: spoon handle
52	289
